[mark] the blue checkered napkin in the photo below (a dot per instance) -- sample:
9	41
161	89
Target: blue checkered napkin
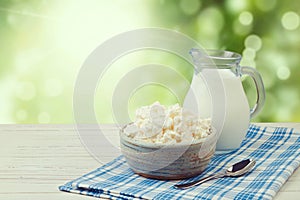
277	155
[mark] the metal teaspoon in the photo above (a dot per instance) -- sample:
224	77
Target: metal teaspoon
237	169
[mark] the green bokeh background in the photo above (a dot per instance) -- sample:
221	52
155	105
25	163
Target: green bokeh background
44	43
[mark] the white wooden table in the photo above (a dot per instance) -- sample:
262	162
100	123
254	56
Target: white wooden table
36	159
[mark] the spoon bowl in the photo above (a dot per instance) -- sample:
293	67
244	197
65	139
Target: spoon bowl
240	168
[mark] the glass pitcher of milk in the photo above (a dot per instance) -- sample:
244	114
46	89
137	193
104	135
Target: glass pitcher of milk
217	92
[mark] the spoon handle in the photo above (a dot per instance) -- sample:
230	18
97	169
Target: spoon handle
200	181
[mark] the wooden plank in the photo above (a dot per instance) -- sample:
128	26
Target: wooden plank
287	195
45	195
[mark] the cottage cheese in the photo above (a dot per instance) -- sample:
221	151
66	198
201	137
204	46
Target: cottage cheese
160	124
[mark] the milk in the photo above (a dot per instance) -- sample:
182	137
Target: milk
226	104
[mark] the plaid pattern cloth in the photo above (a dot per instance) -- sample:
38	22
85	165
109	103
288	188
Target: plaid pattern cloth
277	155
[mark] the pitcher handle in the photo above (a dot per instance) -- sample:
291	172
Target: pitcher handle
260	89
